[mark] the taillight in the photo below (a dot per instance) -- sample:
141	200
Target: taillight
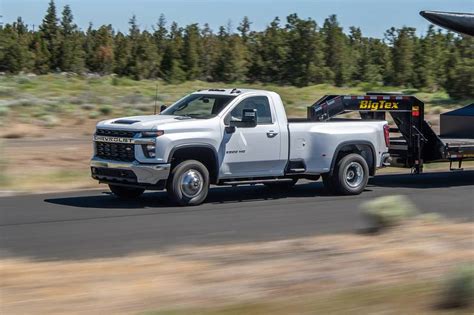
415	111
386	133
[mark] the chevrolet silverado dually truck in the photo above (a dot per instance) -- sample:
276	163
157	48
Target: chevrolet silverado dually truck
234	137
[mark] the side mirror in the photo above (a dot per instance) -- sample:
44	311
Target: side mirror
249	119
163	107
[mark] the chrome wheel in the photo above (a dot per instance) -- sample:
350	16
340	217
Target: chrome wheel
191	183
354	175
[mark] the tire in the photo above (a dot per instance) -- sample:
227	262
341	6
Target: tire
283	185
188	183
350	176
126	192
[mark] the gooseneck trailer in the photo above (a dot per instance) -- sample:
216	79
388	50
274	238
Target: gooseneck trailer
412	140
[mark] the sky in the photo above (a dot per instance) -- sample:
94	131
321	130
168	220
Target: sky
372	16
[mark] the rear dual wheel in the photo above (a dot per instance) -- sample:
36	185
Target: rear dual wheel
350	176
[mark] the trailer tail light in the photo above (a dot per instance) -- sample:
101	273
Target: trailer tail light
386	133
415	111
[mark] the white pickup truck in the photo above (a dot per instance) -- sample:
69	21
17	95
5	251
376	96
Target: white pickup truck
233	137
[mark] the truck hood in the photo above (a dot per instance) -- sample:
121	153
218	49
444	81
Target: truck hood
148	122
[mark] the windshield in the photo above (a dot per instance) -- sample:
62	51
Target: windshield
199	106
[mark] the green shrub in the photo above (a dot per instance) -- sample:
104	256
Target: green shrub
94	115
388	211
4	111
458	288
87	106
105	109
115	81
6	91
23	80
50	121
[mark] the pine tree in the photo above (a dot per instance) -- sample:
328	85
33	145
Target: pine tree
104	50
159	36
49	30
208	54
41	55
273	52
336	52
71	53
14	53
305	60
89	47
460	81
403	52
171	64
231	65
121	54
191	52
99	49
244	28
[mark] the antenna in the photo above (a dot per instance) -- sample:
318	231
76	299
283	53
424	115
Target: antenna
156	96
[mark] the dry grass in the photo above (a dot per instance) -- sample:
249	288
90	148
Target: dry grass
306	270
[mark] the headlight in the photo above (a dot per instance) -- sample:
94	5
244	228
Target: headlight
152	134
149	150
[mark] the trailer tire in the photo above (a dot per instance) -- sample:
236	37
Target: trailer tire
188	183
350	176
123	192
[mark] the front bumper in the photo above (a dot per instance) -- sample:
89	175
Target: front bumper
129	172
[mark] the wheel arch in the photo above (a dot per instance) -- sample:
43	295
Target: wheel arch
364	148
204	153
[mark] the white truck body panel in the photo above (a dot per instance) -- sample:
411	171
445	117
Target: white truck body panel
315	143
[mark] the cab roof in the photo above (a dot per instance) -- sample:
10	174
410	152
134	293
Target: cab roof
233	92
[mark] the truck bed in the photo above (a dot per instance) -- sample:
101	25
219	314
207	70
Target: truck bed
312	142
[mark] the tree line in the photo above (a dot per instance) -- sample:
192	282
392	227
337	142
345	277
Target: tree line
295	51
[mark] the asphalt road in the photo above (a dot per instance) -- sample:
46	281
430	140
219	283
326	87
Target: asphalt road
93	224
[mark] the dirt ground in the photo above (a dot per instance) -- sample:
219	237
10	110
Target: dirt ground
189	277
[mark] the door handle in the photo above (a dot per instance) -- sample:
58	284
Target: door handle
271	134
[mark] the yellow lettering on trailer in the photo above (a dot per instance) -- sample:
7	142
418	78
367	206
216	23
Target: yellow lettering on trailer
381	104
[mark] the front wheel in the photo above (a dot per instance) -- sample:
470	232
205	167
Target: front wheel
188	183
123	192
350	176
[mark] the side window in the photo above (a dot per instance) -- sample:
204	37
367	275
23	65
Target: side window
260	103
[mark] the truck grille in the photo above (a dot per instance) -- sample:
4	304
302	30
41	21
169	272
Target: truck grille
115	151
115	133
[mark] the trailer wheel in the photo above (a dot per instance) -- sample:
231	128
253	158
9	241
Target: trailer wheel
123	192
350	176
188	183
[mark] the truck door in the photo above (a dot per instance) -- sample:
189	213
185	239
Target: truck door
252	151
